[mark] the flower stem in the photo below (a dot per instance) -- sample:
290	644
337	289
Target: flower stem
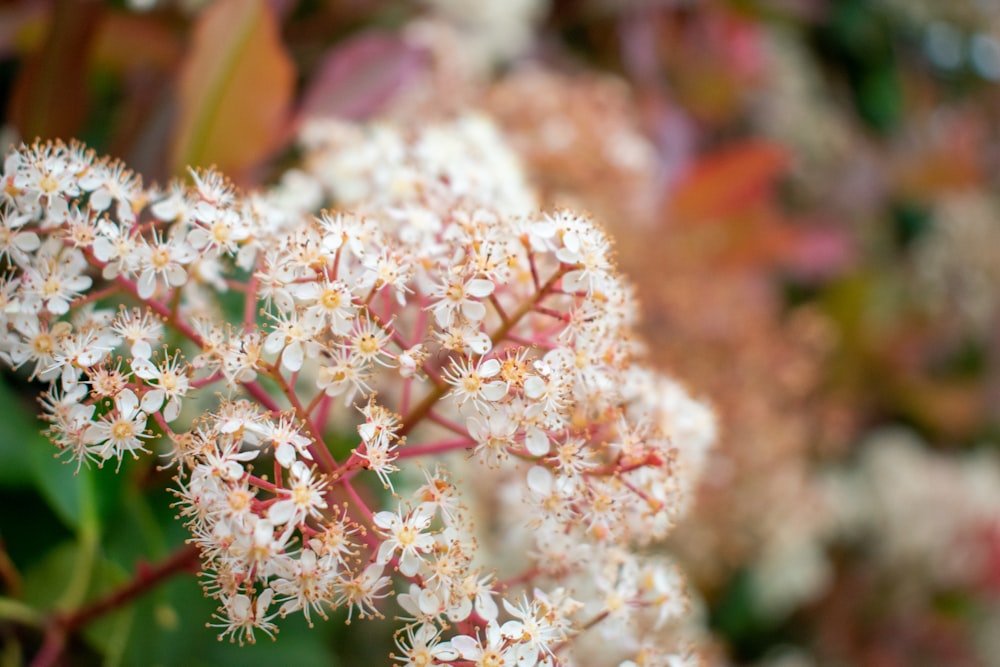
61	625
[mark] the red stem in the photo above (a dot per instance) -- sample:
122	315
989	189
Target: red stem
146	578
441	447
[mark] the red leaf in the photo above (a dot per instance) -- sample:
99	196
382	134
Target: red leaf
361	76
50	95
135	42
727	182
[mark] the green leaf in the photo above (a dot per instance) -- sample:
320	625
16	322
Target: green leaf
60	484
169	629
133	531
48	578
19	434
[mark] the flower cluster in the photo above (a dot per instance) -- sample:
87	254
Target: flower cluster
956	263
431	315
935	528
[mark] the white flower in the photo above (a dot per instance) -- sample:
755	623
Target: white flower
456	295
120	431
421	647
304	497
405	535
470	381
244	615
16	243
288	442
293	337
328	300
55	281
170	384
496	649
164	260
304	583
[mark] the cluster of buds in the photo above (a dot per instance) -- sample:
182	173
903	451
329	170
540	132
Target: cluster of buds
422	319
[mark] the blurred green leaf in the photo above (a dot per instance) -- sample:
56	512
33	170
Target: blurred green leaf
19	434
736	617
60	484
879	95
134	531
47	579
169	629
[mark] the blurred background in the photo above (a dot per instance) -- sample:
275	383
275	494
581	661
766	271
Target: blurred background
804	191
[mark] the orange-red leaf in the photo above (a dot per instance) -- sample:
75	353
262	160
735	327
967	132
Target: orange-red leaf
234	91
725	183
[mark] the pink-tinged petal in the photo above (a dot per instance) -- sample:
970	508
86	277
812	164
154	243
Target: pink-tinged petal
467	647
264	601
173	410
104	250
239	606
473	310
141	350
536	442
494	391
540	480
480	287
27	241
144	368
281	512
152	400
127	403
284	454
488	368
574	282
409	564
384	520
534	387
100	200
176	275
293	356
57	306
147	284
480	343
385	551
